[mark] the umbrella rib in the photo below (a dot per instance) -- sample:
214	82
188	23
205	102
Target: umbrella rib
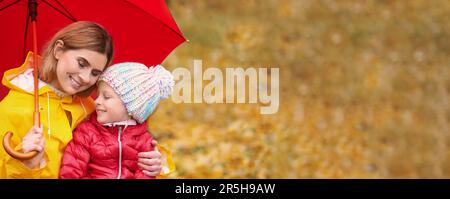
151	15
61	12
67	11
9	5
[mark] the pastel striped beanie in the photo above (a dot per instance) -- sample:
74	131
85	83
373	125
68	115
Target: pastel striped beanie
139	87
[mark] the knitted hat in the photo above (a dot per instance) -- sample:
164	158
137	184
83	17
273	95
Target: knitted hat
140	88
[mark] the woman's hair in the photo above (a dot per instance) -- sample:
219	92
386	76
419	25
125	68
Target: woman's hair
78	35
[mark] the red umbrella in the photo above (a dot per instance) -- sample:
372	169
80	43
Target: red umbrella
142	30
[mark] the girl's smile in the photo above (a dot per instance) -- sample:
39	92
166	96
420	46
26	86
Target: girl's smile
109	106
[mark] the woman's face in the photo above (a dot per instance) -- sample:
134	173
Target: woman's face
78	70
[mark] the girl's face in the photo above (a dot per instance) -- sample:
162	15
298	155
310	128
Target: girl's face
78	70
109	106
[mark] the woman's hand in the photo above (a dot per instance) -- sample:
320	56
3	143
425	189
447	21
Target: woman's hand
34	140
150	161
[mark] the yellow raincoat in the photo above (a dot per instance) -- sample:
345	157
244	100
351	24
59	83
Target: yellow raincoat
17	116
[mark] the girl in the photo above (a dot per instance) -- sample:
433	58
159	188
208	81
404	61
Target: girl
106	145
72	63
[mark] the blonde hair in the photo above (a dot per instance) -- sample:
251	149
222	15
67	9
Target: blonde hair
78	35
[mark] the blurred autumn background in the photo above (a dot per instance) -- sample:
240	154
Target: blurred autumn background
364	90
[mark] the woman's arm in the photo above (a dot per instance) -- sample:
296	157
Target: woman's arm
157	162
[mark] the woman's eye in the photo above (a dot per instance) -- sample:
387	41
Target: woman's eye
80	64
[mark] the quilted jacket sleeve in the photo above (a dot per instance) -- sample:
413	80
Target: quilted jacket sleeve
76	156
145	146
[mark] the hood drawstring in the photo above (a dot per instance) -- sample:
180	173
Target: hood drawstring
48	116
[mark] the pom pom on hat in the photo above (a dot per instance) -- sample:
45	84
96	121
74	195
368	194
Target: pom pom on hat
165	79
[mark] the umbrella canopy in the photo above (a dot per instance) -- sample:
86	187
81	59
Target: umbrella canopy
142	30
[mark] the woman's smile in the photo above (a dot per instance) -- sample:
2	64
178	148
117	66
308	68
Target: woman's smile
75	84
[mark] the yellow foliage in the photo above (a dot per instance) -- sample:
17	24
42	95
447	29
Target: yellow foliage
364	90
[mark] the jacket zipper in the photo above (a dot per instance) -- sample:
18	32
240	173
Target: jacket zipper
120	153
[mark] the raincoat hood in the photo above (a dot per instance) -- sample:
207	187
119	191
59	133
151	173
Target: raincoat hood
19	79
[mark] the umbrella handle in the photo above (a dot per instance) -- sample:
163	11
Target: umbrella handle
12	152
